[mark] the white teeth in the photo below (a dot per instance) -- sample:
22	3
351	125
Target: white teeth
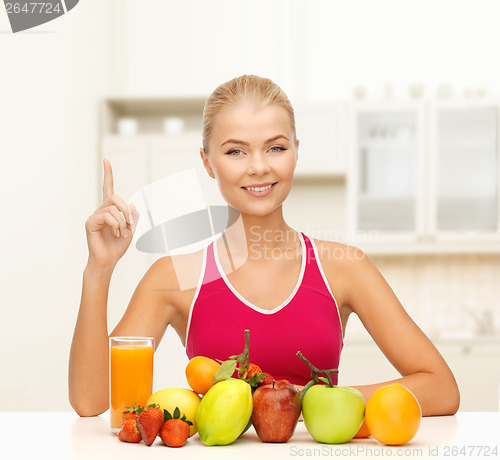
259	189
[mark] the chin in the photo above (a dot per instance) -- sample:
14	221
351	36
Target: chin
256	207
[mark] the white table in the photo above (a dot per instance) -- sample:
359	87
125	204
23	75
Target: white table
54	435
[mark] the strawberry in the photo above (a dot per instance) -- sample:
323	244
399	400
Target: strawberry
149	423
255	376
175	431
267	380
130	413
253	369
129	432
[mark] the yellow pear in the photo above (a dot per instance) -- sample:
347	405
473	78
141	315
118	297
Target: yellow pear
224	412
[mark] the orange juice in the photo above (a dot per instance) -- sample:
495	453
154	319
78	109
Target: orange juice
131	375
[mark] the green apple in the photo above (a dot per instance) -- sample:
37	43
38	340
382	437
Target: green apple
333	414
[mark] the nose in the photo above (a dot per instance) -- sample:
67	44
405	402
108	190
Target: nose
258	164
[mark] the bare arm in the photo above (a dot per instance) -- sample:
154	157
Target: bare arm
88	362
423	369
149	313
109	233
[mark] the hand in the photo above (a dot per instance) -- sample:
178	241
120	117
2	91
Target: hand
110	228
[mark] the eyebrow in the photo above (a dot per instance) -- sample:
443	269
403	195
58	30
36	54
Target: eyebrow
236	141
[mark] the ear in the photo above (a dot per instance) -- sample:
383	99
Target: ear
206	163
297	151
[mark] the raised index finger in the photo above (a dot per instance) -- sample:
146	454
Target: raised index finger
107	188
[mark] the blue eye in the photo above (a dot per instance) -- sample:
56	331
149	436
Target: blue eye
279	149
234	152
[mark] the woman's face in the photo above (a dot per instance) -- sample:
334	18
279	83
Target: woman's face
252	153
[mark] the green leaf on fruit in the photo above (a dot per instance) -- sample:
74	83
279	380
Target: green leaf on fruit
177	414
240	359
308	385
134	408
255	379
324	380
226	370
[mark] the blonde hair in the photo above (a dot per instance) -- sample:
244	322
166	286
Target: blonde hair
247	89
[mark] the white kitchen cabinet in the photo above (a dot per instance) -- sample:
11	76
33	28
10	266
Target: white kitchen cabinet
171	154
425	175
476	366
321	132
386	170
464	170
129	160
362	363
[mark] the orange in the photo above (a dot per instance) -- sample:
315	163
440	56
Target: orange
200	373
393	414
363	431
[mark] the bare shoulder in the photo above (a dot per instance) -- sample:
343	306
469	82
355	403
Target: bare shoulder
344	266
334	255
162	297
177	273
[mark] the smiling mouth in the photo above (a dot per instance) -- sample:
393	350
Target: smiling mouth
260	189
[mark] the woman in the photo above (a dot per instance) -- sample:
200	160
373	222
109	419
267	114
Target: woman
292	292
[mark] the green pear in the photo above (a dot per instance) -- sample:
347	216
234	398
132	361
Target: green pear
224	412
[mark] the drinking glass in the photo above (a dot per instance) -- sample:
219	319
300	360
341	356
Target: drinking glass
130	375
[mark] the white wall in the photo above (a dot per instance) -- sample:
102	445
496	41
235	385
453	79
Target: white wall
50	82
192	46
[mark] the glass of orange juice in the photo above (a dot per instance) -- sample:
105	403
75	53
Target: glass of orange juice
130	375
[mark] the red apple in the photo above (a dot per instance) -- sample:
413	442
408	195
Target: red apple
276	410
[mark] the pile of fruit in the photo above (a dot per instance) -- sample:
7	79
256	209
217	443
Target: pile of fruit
236	394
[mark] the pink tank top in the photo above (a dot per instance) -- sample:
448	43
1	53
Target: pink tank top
308	321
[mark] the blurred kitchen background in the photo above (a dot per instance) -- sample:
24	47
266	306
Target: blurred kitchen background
397	108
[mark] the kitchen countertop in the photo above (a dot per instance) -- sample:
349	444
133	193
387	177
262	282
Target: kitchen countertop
66	435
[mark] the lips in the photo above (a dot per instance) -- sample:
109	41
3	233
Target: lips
259	187
259	190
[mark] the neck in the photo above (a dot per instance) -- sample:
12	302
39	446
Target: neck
249	231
